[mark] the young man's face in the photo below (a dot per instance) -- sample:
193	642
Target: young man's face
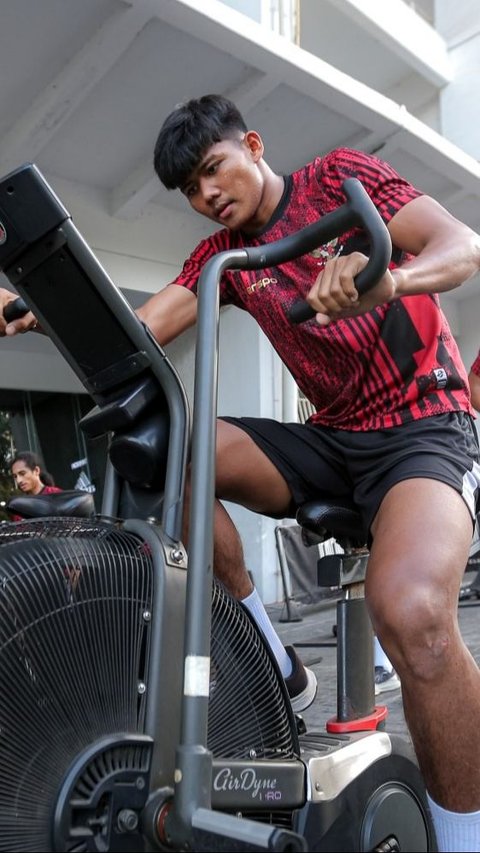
227	185
27	479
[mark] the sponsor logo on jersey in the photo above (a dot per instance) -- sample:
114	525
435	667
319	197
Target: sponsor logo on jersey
261	284
441	377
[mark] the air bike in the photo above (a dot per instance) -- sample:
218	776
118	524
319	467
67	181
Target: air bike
140	708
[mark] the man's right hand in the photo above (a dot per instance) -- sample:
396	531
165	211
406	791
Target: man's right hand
23	324
334	297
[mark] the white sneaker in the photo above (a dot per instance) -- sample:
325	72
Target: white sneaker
385	680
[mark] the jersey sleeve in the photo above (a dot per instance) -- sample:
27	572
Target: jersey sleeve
194	264
388	190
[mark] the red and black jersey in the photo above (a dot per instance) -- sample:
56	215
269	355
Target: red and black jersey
389	366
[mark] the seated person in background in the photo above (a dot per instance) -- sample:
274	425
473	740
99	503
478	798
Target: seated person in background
474	382
30	477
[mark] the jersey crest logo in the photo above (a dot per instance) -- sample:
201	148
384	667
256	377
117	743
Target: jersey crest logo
329	250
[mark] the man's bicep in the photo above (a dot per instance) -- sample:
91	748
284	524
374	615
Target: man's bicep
169	312
422	221
474	382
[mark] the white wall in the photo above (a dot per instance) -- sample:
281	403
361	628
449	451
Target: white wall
459	24
35	366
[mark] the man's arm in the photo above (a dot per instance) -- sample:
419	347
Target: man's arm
169	312
447	253
474	382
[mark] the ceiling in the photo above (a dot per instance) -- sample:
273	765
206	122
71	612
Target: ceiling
86	86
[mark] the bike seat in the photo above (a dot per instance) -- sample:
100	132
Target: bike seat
331	517
68	503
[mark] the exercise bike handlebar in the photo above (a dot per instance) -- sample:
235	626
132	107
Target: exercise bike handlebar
358	210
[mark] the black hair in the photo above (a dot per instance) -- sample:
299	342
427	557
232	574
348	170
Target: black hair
189	131
33	461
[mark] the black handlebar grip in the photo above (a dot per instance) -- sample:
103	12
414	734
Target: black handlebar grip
15	309
300	312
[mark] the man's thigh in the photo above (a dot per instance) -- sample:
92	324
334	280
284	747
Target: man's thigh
272	467
443	449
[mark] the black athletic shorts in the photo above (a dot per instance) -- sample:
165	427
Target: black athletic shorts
363	466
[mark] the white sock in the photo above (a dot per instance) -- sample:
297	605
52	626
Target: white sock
380	657
255	607
455	831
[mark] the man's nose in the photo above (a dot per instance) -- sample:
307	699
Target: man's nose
210	191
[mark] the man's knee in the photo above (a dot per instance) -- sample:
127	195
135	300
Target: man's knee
416	630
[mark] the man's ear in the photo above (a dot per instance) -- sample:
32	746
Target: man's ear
254	143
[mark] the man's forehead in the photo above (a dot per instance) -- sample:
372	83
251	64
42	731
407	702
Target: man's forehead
210	153
205	156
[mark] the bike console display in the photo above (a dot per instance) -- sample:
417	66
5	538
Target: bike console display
46	259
